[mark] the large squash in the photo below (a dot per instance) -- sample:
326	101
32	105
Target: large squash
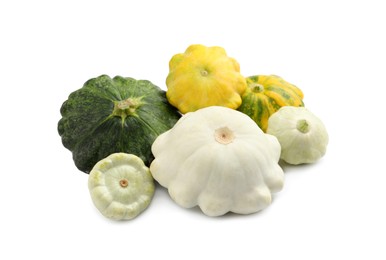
267	94
204	76
110	115
219	159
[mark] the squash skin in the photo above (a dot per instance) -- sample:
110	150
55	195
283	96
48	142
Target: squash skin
91	131
260	103
204	76
219	159
121	186
302	135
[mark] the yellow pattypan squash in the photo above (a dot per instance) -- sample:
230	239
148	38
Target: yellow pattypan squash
204	76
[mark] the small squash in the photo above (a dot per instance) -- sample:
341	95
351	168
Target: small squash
302	136
219	159
110	115
204	76
267	94
121	186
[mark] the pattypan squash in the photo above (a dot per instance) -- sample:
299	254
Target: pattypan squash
110	115
219	159
302	135
121	186
204	76
267	94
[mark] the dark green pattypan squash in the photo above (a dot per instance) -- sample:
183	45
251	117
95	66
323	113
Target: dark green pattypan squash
109	115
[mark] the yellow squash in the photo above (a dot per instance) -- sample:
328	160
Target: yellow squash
267	94
204	76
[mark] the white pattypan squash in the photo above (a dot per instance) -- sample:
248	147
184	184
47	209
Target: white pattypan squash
219	159
302	136
121	186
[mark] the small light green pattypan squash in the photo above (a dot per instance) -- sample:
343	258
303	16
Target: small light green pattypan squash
121	186
302	136
219	159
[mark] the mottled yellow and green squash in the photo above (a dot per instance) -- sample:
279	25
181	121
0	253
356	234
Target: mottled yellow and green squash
267	94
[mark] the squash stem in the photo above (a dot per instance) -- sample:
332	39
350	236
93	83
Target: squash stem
204	73
256	88
303	126
124	183
224	135
127	107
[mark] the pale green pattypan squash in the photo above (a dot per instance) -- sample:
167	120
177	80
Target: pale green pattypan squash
121	186
302	136
219	159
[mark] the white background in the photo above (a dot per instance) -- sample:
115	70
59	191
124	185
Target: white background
333	50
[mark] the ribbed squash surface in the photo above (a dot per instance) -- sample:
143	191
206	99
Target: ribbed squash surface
267	94
204	76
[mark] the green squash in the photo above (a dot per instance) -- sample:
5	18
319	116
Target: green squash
110	115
